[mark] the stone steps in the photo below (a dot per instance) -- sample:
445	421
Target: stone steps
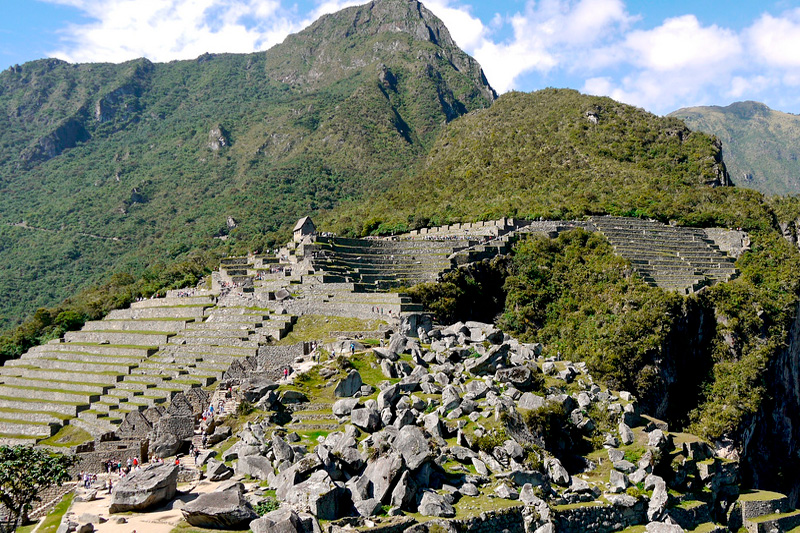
38	430
87	387
773	522
63	355
167	326
31	372
51	393
141	338
236	351
673	258
95	428
188	311
175	301
11	439
31	416
95	348
237	334
26	404
57	364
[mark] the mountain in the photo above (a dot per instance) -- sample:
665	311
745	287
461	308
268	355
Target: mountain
555	154
761	145
113	167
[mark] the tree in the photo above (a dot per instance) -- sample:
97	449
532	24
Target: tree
24	472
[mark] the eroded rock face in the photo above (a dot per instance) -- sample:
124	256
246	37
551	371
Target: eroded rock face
225	509
145	488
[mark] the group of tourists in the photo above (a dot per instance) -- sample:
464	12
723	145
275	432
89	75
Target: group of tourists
186	293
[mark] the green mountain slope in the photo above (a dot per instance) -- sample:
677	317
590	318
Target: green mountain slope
761	145
557	153
112	167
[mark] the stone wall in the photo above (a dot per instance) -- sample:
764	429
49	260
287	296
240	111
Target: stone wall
272	360
93	459
599	518
510	520
732	242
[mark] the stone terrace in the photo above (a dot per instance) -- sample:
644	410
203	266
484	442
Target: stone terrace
670	257
133	359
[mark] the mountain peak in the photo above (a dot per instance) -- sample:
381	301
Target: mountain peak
350	39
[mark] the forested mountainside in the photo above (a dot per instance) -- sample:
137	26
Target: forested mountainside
760	144
107	167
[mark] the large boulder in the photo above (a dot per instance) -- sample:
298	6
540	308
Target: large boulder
283	520
320	496
299	471
381	475
145	488
367	419
255	466
520	377
433	504
412	444
218	471
344	406
496	357
530	400
281	449
349	385
165	445
225	509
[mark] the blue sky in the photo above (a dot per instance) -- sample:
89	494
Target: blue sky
657	55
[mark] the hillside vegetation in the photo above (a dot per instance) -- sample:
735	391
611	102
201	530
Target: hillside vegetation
109	168
559	154
759	143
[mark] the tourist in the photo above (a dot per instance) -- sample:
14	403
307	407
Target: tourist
352	348
109	485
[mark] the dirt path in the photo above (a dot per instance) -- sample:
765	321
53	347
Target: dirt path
159	520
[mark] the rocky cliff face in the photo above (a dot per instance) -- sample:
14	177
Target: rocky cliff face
681	365
771	444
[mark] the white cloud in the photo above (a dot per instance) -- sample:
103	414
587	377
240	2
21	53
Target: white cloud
544	35
164	30
667	66
682	43
776	40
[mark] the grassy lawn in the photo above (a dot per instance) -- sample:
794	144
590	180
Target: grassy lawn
68	436
317	327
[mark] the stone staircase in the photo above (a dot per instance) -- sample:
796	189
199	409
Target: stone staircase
673	258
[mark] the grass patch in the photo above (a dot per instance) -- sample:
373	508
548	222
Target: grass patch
318	327
53	520
68	436
759	496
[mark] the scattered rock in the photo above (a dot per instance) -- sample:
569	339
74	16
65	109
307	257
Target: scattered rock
145	488
224	509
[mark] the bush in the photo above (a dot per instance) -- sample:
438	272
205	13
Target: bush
266	505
